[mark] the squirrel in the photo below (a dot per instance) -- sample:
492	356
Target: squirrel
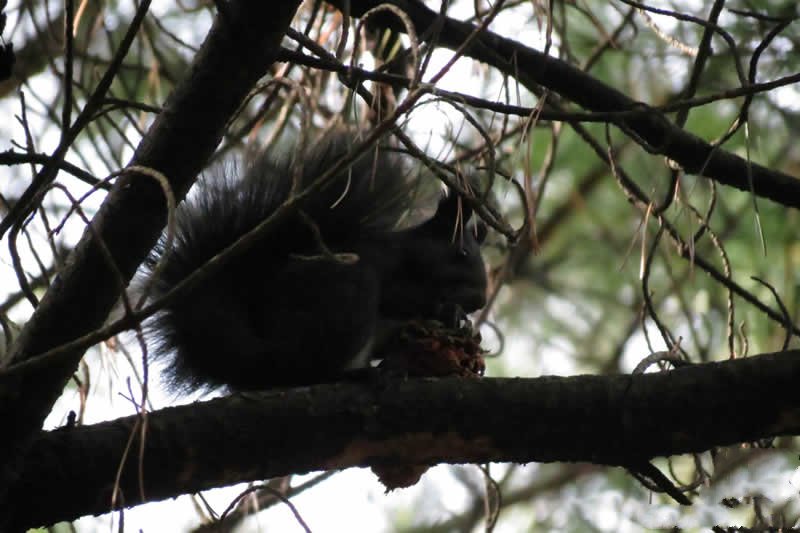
304	305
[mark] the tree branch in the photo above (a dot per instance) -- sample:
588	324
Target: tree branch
651	128
610	420
178	144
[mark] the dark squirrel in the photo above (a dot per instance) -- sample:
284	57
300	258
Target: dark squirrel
304	305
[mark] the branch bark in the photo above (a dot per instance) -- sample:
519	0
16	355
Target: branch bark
609	420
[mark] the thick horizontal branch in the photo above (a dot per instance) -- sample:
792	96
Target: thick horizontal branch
611	420
533	68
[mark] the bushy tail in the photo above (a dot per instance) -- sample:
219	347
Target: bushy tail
246	325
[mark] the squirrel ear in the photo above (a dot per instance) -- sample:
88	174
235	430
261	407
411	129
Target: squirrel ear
443	222
452	209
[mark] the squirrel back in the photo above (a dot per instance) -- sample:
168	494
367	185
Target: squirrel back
302	305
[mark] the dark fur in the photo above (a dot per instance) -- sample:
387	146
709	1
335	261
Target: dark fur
283	313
